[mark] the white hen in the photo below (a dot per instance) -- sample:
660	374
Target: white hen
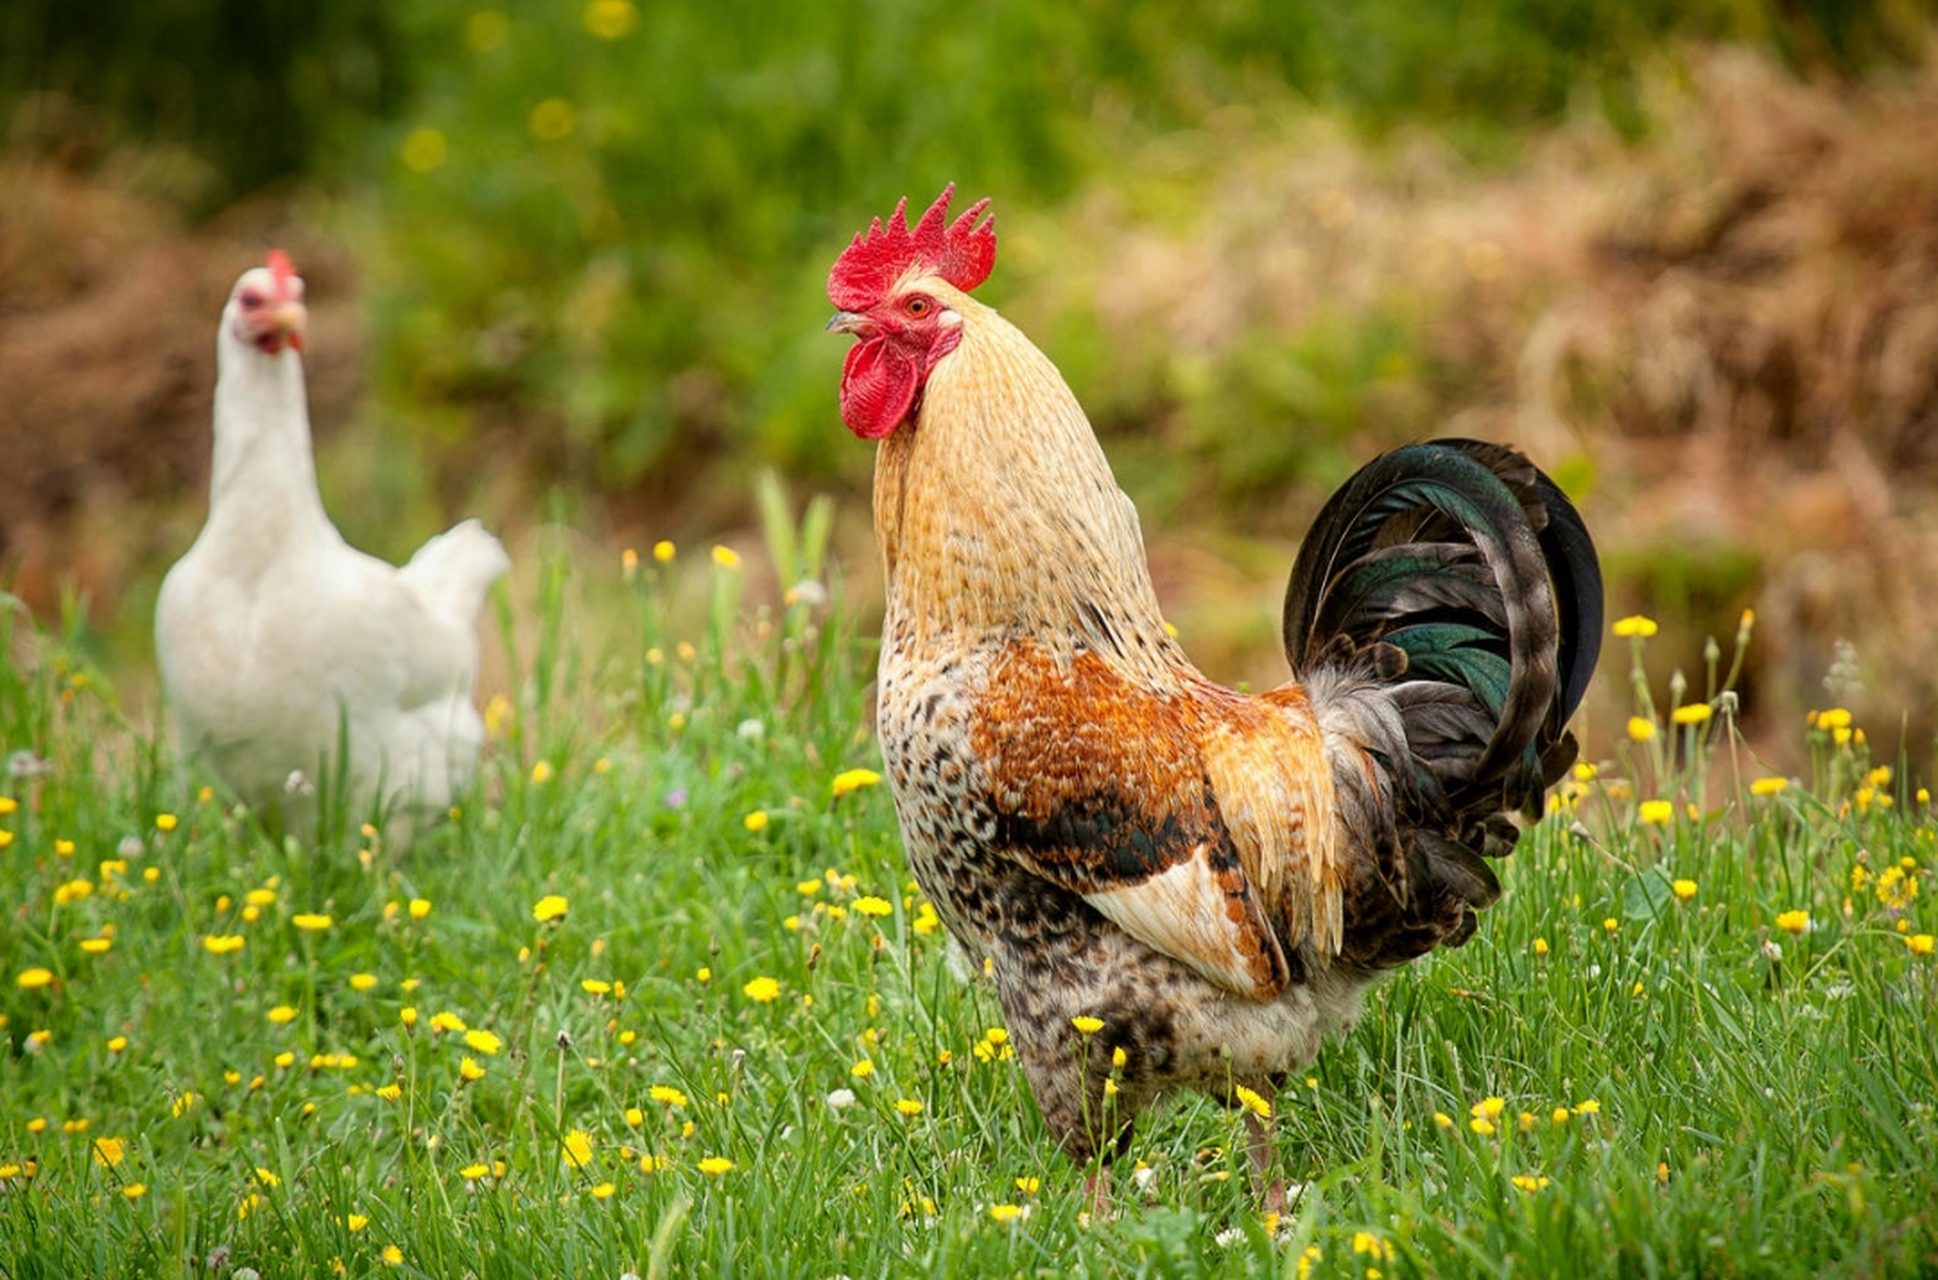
278	641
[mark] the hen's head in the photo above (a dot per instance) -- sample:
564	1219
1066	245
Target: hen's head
885	288
266	306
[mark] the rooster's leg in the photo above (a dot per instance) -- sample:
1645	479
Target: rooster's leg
1262	1147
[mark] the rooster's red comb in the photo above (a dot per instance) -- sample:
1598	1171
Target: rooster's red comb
961	252
281	267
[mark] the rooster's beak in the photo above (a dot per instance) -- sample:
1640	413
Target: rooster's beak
847	322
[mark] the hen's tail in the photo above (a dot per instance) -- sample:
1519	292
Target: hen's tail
452	572
1446	613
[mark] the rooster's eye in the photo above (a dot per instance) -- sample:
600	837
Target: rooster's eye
251	300
917	307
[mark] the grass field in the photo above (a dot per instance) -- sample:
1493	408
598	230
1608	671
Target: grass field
661	1000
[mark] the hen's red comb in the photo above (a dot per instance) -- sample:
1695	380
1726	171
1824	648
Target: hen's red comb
282	268
961	252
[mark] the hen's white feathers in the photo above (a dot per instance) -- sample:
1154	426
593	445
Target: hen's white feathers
277	640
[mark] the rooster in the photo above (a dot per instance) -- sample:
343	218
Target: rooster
1174	885
289	658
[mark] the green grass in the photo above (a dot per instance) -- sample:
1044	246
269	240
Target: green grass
1685	1086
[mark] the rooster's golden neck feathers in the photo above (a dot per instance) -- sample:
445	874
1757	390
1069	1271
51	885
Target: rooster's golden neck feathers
998	512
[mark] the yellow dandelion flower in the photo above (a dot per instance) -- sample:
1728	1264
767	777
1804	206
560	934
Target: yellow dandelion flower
666	1094
1587	1107
222	944
392	1256
1610	924
423	149
755	821
714	1166
1528	1182
1540	946
1684	889
1253	1102
73	891
469	1071
134	1191
1640	728
1656	813
611	19
109	1152
1087	1025
726	557
1481	1125
577	1149
282	1013
1005	1213
603	1190
117	1043
550	907
1488	1108
553	120
484	1042
1635	626
1118	1057
1767	787
1444	1120
542	773
863	1069
1835	718
445	1020
164	822
762	990
703	974
31	978
1367	1243
1797	922
419	908
311	921
1559	1115
664	551
363	982
1919	944
854	780
1693	714
8	805
474	1172
390	1092
909	1107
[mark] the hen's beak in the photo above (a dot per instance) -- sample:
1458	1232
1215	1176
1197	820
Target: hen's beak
290	319
847	322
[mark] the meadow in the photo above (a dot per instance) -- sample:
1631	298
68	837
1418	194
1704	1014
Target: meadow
660	999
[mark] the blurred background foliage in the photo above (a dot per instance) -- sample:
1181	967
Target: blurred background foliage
583	243
611	218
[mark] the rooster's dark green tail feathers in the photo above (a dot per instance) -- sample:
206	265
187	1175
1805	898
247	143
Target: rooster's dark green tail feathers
1468	559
